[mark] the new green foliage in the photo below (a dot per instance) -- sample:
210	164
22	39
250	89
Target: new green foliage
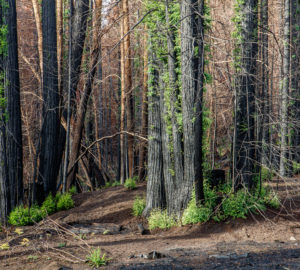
130	183
96	258
65	202
22	216
138	206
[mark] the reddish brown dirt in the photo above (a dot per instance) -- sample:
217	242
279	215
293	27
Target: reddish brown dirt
272	240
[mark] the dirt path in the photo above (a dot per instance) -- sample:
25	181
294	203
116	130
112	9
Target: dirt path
103	219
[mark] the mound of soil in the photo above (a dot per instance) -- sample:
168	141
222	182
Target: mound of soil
103	219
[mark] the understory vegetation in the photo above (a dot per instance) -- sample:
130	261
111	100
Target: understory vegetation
220	204
22	216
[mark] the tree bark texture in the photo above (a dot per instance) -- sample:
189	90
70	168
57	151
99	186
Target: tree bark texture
295	79
190	99
144	124
245	83
285	91
12	93
155	185
49	167
128	88
79	24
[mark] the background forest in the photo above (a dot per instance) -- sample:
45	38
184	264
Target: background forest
198	98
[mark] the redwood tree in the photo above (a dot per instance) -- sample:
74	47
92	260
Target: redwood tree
49	166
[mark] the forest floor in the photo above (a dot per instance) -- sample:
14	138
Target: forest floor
104	219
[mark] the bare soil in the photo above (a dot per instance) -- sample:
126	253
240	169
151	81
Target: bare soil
104	219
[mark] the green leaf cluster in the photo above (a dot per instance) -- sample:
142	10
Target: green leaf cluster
130	183
22	216
96	258
138	206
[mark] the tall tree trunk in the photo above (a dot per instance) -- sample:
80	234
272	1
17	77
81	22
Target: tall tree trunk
48	170
244	146
199	84
295	79
68	131
4	181
191	98
285	91
144	124
13	126
122	116
5	206
60	52
155	185
79	24
264	71
173	162
128	88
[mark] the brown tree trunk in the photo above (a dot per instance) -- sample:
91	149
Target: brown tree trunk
143	148
128	88
122	120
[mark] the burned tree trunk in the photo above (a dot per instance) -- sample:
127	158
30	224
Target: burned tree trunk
49	166
12	92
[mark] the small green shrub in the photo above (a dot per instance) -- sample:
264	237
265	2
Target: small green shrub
116	183
193	214
236	205
96	259
272	199
65	202
20	216
73	190
130	183
161	219
266	174
49	205
138	206
108	184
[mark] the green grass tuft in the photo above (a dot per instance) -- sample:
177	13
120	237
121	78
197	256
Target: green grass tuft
96	258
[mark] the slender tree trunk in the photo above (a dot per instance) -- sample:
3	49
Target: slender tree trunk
4	181
67	144
285	91
122	120
265	136
59	30
295	80
13	126
48	170
144	124
128	88
199	83
81	12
